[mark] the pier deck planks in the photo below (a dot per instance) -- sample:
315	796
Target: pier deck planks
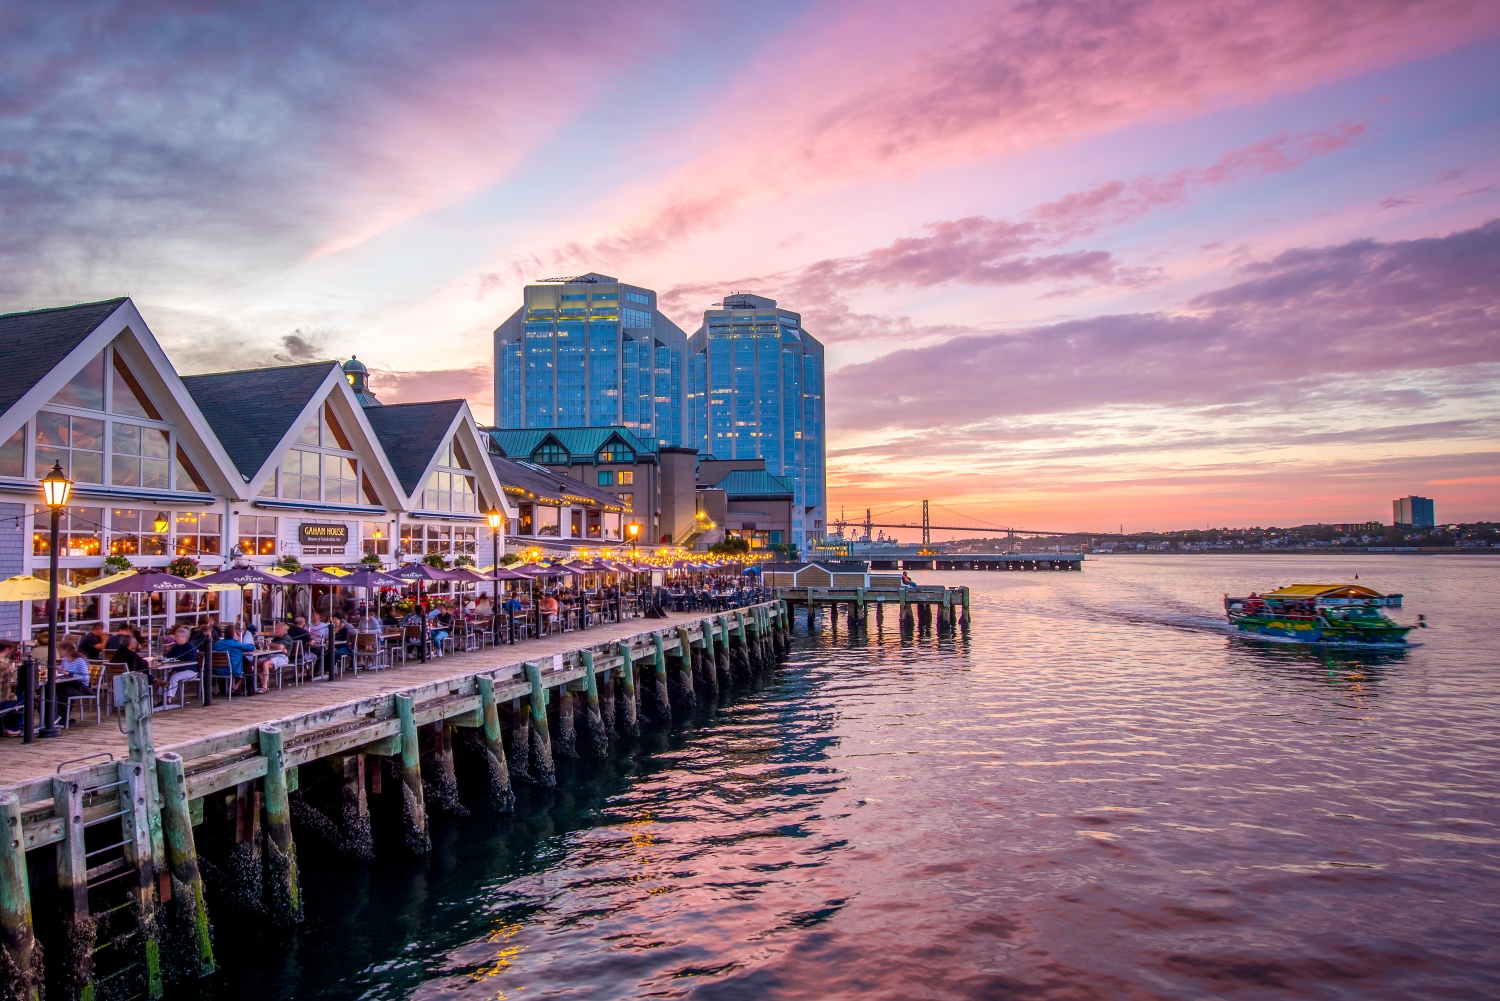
21	762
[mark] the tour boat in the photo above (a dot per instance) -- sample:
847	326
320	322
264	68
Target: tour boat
1318	613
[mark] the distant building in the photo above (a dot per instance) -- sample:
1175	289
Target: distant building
590	351
755	391
1413	512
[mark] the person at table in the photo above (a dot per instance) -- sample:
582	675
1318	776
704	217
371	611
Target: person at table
122	636
128	652
92	644
39	651
436	630
547	606
343	638
9	687
279	657
186	648
236	649
389	619
298	632
72	673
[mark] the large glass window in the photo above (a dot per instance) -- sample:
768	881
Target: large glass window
449	487
140	457
75	442
257	535
550	454
77	531
638	297
606	478
198	534
547	520
375	538
323	467
524	521
634	318
616	452
126	395
13	454
136	532
86	389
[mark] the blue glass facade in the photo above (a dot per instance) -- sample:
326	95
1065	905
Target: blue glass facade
574	356
754	389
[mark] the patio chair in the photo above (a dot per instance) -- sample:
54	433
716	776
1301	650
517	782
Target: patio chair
96	680
182	690
369	652
219	669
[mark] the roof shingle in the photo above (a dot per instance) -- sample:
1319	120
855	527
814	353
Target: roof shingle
252	410
34	343
411	434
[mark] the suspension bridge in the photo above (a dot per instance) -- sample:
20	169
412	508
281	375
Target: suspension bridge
975	526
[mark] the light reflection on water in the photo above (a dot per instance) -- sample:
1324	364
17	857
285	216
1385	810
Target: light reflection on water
1099	794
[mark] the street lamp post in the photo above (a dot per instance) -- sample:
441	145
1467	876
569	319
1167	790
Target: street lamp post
634	531
495	518
55	489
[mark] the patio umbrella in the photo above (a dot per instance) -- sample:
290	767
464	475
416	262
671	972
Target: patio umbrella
420	573
366	576
142	582
24	587
242	577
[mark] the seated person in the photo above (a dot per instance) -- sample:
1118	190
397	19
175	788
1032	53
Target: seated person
389	618
280	648
343	637
128	653
92	644
236	649
298	632
186	648
10	687
72	672
436	630
123	635
547	606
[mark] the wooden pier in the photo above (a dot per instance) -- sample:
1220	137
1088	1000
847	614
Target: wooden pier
921	609
118	867
1032	562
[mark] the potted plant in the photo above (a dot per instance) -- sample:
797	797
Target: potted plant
183	566
463	561
115	564
437	560
371	560
288	562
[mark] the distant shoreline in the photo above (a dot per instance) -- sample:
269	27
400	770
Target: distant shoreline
1341	551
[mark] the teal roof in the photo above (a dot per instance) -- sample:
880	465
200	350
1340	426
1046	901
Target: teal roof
581	443
744	484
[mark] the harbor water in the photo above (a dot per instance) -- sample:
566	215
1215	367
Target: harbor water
1099	793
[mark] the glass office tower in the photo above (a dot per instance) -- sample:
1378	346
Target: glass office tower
590	351
755	390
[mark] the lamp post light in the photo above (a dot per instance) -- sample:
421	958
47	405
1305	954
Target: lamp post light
55	490
496	519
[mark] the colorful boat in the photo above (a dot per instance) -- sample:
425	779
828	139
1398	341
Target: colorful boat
1319	613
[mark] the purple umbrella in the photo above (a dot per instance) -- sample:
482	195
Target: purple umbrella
371	578
242	577
467	575
147	582
312	575
420	572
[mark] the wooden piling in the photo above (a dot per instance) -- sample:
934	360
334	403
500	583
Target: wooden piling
135	830
740	649
721	656
79	927
541	767
681	683
906	623
596	737
879	617
501	797
565	743
708	672
661	702
606	684
20	959
519	758
627	717
189	936
924	617
356	838
440	794
965	620
283	890
413	803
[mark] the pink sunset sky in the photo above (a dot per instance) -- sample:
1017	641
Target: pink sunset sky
1160	263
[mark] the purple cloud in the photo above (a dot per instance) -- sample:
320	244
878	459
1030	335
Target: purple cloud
1308	325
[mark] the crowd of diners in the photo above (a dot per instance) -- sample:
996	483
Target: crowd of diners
384	628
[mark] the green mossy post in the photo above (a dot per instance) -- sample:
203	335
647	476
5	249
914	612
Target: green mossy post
543	770
708	672
135	829
142	748
501	797
607	702
79	928
283	888
945	614
965	620
627	717
413	805
188	928
681	683
596	737
356	838
520	742
21	964
739	656
661	702
721	655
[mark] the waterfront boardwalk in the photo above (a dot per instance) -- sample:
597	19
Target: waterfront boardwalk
20	762
198	817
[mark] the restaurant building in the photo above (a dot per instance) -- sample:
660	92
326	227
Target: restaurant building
556	513
89	388
748	502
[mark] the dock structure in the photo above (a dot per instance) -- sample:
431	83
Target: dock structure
111	874
921	609
1035	562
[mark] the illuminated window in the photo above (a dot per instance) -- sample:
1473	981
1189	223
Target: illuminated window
616	452
78	531
257	535
198	534
375	538
324	467
134	532
550	454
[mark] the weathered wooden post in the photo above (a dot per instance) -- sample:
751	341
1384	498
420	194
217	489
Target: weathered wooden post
905	620
721	655
924	617
740	652
356	839
627	718
543	770
661	703
945	613
135	830
190	947
520	742
502	797
607	684
134	692
682	680
706	661
413	802
283	890
79	928
565	744
441	794
21	976
965	620
879	617
596	737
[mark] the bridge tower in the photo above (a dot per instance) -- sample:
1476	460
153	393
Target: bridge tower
926	531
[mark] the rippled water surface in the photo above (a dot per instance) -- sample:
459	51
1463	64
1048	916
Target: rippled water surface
1097	794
